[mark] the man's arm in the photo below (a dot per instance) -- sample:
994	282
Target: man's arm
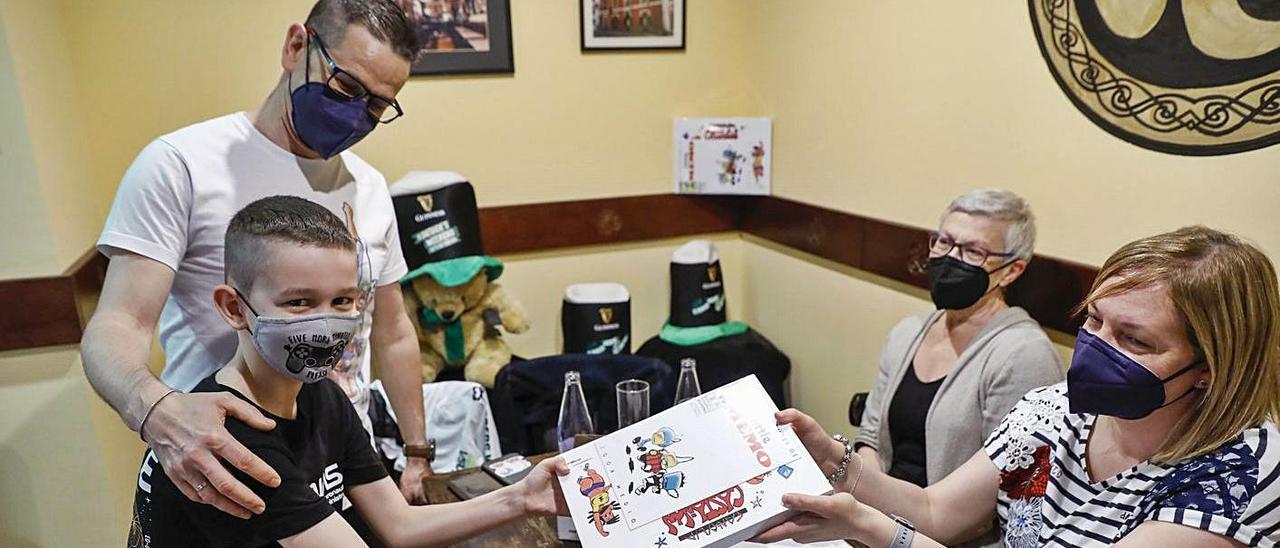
395	354
185	430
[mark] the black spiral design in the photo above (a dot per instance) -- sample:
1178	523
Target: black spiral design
1213	115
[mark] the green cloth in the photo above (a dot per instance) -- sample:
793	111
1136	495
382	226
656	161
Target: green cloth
690	336
455	272
454	343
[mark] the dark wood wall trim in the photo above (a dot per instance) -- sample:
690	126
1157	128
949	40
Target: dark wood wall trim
47	311
1049	289
537	227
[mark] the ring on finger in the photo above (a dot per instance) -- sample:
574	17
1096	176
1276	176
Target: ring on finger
200	486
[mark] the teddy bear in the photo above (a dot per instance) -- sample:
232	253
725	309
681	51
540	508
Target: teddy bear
459	326
449	291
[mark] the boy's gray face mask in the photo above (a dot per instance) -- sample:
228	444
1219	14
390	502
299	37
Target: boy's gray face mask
304	348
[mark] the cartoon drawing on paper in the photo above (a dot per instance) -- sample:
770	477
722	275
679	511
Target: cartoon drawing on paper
664	437
730	173
757	161
656	463
603	510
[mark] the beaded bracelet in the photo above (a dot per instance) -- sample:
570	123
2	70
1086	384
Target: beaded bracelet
843	468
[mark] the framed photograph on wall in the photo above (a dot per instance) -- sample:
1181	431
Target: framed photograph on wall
631	24
461	36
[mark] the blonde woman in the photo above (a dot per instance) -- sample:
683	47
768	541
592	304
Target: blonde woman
1163	435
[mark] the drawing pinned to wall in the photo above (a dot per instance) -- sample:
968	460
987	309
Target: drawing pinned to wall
723	155
1193	78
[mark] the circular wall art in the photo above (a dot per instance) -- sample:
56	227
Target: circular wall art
1192	77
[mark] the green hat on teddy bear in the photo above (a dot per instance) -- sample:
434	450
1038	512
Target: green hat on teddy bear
439	226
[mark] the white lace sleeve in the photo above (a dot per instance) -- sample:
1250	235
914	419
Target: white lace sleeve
1031	424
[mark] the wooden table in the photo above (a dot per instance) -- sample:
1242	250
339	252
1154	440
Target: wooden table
534	532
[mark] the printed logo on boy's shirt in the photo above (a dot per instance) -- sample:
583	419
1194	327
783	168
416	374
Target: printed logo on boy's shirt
148	468
329	485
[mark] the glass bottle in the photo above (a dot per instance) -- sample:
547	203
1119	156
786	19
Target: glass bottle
687	386
574	417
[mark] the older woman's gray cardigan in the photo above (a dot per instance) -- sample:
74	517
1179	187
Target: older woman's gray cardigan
1010	356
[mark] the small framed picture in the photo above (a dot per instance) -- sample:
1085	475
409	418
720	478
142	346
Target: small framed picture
461	36
632	24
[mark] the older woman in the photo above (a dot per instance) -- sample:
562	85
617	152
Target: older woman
1163	434
947	377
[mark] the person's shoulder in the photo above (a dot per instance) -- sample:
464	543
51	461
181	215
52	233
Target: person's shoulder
1041	407
908	327
1016	329
323	396
363	172
210	384
1054	394
247	435
1021	343
201	134
1228	481
1032	424
1254	453
325	391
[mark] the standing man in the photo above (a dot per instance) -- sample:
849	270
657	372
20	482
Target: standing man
342	71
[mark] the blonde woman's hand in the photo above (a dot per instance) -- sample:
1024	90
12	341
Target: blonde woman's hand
820	518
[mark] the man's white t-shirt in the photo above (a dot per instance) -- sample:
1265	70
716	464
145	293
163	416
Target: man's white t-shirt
176	200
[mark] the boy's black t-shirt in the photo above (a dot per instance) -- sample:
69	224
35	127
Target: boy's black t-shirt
319	454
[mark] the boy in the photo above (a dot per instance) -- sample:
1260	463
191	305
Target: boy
291	294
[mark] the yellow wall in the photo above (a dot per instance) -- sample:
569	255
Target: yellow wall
26	249
50	90
890	109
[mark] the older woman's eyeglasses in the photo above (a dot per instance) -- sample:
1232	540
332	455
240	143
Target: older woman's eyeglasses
941	245
347	87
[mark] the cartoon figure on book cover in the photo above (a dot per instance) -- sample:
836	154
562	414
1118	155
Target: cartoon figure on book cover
656	463
603	510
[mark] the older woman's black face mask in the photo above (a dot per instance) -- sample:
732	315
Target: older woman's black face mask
955	284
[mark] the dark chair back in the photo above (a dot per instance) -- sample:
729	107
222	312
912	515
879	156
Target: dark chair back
857	405
728	359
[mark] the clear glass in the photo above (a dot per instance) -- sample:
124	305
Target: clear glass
574	419
687	386
633	402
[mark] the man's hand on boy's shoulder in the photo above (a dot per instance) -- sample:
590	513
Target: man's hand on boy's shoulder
189	436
